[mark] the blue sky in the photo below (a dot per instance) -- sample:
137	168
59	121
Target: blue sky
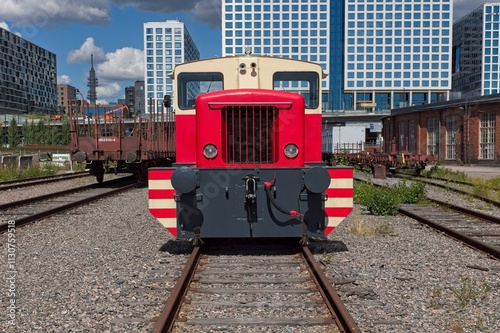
112	30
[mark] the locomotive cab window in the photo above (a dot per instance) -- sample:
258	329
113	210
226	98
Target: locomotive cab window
190	85
304	83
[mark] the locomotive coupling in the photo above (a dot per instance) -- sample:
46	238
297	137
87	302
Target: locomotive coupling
184	180
250	189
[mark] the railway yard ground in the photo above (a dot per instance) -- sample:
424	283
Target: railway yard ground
106	267
476	170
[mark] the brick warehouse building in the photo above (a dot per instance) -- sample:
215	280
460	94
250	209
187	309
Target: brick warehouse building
462	131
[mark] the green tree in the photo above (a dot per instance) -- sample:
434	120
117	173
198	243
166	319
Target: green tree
13	137
53	135
28	132
41	133
65	137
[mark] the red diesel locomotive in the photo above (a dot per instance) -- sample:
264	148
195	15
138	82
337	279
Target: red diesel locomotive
248	154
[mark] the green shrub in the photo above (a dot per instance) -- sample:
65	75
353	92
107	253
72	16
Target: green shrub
412	194
30	172
386	200
378	201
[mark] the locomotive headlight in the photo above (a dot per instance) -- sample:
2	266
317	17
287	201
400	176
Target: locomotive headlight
210	151
291	150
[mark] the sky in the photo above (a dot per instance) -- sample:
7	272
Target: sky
112	30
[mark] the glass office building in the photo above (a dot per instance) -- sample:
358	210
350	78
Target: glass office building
297	29
396	53
28	76
166	44
476	49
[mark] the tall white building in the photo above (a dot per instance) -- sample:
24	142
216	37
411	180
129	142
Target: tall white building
166	44
397	53
297	29
476	52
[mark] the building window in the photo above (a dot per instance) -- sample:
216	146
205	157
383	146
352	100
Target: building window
401	136
451	137
432	136
487	136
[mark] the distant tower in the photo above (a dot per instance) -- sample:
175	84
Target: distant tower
92	95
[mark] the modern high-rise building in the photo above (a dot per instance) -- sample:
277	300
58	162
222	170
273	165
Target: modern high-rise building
396	53
379	55
476	39
28	76
287	28
166	44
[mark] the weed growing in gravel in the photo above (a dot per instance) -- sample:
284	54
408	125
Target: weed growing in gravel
378	201
385	201
455	328
410	194
436	298
437	171
370	228
469	290
326	258
14	173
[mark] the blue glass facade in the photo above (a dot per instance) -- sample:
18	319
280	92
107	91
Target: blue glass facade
394	47
336	100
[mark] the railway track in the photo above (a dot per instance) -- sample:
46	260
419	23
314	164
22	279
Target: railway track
462	188
32	209
476	229
269	285
20	183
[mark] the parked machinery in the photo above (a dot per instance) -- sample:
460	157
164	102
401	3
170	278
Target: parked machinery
248	163
109	141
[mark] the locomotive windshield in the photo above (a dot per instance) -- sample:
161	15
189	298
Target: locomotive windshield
304	83
190	85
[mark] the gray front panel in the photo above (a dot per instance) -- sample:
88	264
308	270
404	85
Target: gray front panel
223	207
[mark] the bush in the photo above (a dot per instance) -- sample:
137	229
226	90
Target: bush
378	201
412	194
30	172
386	200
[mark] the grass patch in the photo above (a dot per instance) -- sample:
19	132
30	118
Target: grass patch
385	201
30	172
437	171
370	228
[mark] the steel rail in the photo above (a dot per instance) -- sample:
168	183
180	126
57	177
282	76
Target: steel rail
28	219
18	203
495	252
343	318
166	319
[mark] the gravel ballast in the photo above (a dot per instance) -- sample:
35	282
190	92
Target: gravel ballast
106	268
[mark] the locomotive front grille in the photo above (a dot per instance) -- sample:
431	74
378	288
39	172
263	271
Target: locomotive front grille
249	134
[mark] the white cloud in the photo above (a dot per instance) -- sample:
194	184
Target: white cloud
125	64
35	14
63	79
83	54
4	25
108	90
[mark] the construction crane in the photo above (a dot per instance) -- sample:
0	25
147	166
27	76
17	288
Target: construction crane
108	115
